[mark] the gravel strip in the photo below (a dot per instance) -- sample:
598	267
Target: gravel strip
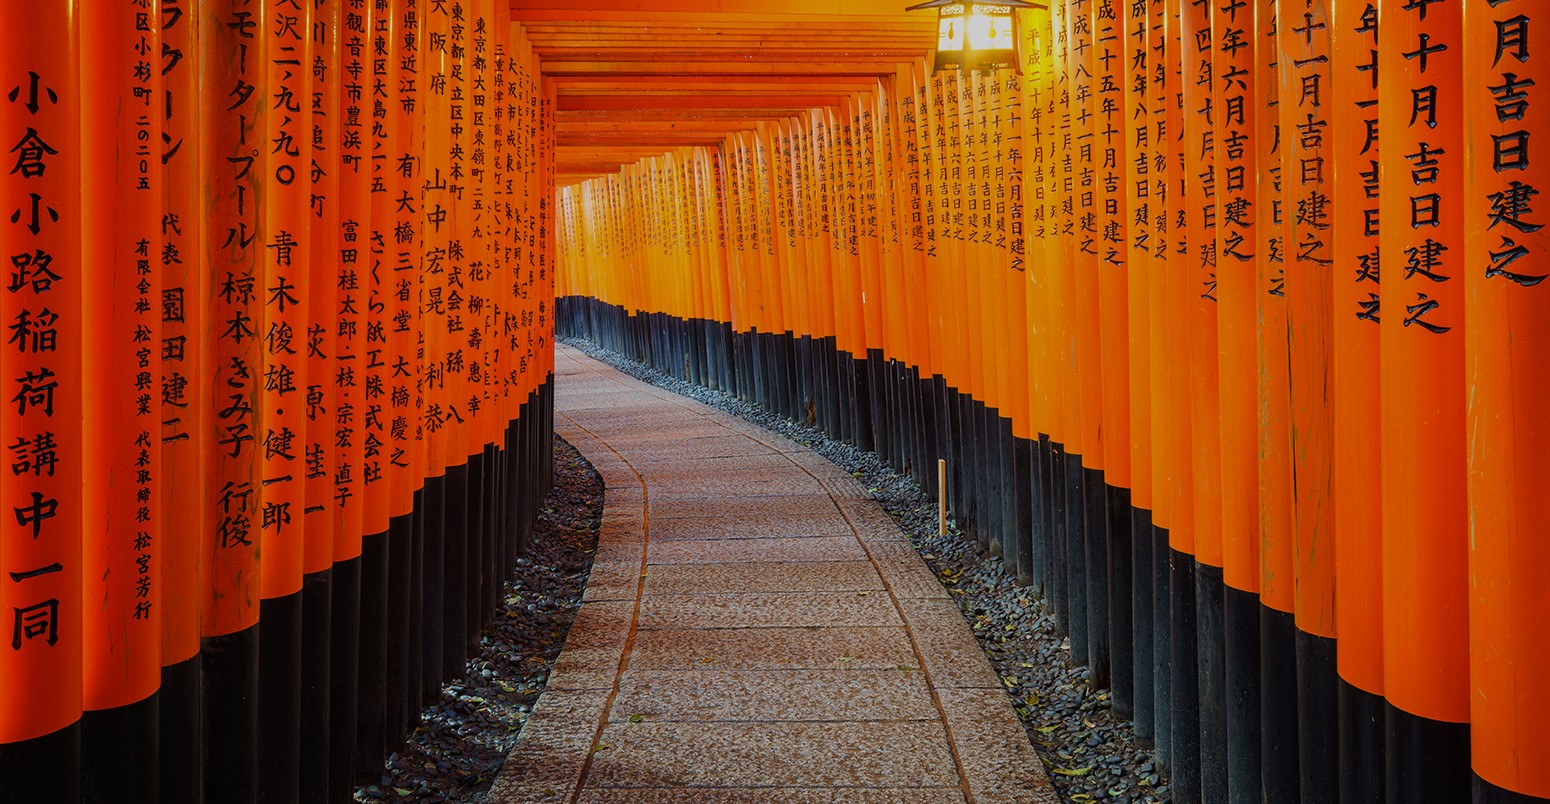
1091	753
456	753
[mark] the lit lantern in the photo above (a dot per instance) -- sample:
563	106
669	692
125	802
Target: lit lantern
975	36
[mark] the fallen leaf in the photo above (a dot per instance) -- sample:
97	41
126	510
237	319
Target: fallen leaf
1074	771
637	718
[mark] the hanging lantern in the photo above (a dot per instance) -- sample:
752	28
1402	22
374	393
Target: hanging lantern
975	36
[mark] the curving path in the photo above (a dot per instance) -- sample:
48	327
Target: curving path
756	629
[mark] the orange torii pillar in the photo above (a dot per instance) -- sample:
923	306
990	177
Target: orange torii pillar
1308	253
1422	392
121	384
399	265
281	436
1079	311
322	512
1197	612
381	76
232	58
185	405
435	67
1165	191
1507	313
1356	460
1140	205
1240	218
350	279
1113	558
41	561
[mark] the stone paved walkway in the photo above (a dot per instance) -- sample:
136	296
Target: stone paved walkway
756	629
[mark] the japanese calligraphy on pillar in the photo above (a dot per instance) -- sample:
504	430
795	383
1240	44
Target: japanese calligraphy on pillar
350	279
1305	105
322	281
1501	199
435	200
40	588
1136	125
284	294
1202	264
1353	153
407	250
1504	268
460	242
500	181
1111	128
234	148
121	382
185	401
1422	335
478	246
376	414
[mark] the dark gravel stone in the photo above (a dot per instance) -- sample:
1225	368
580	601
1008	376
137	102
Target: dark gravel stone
457	750
1090	753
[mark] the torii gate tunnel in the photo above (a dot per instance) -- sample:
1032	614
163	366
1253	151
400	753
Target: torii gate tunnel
1253	396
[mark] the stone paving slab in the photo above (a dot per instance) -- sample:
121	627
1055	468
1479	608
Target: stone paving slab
790	576
769	508
851	754
740	551
773	696
776	795
772	648
741	527
698	483
755	629
765	610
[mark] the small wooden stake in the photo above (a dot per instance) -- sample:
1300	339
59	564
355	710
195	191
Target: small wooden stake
941	497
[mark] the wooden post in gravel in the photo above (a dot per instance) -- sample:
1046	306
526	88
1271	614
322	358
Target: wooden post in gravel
941	497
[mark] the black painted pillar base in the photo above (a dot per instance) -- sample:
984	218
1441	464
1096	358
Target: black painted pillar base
43	770
1059	578
1427	760
1240	626
279	696
371	663
1210	640
1487	793
1021	532
1185	715
344	670
1278	706
1142	607
1095	532
1163	557
182	766
119	753
1121	602
454	648
1076	558
316	681
230	727
1318	719
1362	728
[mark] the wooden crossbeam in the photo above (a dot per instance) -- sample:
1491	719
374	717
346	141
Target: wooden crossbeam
724	67
637	78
